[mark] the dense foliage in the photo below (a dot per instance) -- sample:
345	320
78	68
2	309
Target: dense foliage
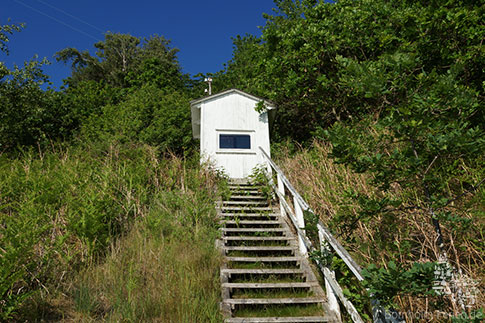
132	91
94	176
395	89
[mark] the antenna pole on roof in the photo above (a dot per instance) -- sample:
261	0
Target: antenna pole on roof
209	80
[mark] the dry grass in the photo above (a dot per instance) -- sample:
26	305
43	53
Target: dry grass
405	236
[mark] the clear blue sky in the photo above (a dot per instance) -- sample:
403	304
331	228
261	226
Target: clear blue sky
201	30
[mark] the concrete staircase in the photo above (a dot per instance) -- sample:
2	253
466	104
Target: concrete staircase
264	278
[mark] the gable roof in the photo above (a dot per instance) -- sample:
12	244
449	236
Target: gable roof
195	106
269	104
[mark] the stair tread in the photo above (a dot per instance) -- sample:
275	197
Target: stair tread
249	197
249	238
263	259
253	229
259	248
251	222
250	215
245	203
249	208
277	319
295	300
265	271
269	285
244	186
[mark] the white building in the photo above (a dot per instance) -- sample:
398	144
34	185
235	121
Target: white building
231	131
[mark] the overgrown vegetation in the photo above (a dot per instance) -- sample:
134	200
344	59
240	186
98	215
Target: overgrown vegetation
380	124
398	249
62	211
396	90
105	212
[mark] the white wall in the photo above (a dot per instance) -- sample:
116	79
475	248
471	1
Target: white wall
233	113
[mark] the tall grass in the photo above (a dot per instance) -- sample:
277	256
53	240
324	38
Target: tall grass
106	232
163	270
405	236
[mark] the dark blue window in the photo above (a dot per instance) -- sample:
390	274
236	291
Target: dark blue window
234	142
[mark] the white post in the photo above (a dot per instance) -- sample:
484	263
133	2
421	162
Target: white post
281	190
301	223
331	297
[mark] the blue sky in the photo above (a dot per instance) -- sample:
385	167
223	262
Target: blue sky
201	30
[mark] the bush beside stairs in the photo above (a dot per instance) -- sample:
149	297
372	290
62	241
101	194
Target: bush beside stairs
264	278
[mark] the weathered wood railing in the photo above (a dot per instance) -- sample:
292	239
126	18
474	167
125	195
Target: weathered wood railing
296	216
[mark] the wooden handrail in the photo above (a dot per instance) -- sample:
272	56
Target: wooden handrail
325	233
379	313
339	249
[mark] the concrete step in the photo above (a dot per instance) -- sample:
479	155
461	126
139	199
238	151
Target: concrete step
267	285
306	319
273	301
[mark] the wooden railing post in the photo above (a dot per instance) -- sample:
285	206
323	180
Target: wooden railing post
332	298
301	224
335	292
281	190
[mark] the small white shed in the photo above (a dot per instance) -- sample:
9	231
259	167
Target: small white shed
231	130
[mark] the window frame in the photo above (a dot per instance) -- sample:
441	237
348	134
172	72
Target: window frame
227	132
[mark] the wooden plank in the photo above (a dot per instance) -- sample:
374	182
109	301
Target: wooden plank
338	291
267	285
272	222
252	229
287	183
254	208
250	215
227	203
265	271
275	301
346	257
264	259
250	238
291	215
296	319
339	249
259	248
248	197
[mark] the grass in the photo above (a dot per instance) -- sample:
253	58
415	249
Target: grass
407	236
107	232
149	277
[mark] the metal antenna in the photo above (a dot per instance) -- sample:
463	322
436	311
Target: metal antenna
209	80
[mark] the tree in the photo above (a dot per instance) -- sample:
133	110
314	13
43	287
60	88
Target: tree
6	30
123	61
29	115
